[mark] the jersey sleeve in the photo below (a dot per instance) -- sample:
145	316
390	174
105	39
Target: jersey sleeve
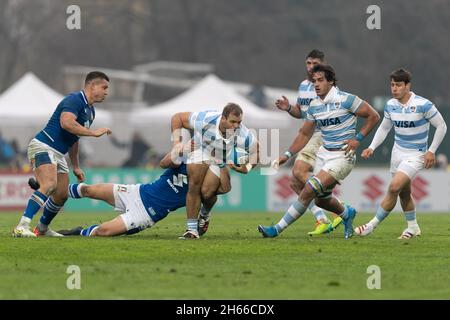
70	105
351	102
386	113
429	111
309	115
195	120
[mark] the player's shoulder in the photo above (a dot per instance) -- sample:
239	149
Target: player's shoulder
391	105
421	101
305	85
73	98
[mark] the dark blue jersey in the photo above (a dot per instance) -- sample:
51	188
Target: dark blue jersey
166	194
58	138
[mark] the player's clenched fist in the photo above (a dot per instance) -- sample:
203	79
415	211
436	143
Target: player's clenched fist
367	153
101	131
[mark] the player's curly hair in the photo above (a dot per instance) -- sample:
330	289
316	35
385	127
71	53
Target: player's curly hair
328	70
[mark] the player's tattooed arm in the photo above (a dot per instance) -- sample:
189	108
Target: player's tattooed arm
69	123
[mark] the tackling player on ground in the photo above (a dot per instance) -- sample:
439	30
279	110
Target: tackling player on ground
410	115
72	119
143	205
335	113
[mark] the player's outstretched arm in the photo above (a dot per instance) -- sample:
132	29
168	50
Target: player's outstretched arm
68	122
284	105
304	135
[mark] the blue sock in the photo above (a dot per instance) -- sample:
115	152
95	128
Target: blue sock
51	209
381	214
36	201
192	224
75	190
86	232
410	215
295	211
344	214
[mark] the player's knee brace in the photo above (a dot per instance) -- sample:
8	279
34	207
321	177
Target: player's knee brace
315	185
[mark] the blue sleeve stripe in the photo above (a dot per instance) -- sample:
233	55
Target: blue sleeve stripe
432	115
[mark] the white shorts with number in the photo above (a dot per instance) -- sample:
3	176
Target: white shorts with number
309	153
335	163
127	199
57	158
410	162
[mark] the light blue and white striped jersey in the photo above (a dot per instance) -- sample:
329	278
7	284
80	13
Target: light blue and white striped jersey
411	121
208	136
335	117
306	94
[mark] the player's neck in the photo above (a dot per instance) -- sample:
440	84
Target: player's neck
89	98
404	100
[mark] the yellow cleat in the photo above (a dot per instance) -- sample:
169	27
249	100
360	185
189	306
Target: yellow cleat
321	228
336	222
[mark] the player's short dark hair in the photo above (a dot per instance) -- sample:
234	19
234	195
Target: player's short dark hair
316	54
95	75
232	108
328	70
401	75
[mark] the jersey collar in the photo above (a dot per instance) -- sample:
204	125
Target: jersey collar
409	102
84	98
331	96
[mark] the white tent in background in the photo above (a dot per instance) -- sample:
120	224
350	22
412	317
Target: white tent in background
30	102
210	93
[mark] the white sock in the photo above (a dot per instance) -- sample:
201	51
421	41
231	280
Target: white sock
24	222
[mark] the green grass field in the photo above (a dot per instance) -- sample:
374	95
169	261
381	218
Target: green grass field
232	261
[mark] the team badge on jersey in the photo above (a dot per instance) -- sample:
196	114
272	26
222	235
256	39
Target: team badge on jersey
413	108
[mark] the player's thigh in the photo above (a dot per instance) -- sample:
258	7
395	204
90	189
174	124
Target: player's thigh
398	182
61	193
46	176
211	182
225	181
113	227
101	191
196	174
302	169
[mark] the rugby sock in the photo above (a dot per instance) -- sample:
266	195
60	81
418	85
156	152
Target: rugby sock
204	212
318	213
411	218
87	232
75	190
379	216
192	224
36	201
51	209
295	211
344	214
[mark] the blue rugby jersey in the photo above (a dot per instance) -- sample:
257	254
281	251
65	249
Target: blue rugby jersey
58	138
166	194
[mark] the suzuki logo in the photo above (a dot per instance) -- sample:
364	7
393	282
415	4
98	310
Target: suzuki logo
374	188
418	187
283	187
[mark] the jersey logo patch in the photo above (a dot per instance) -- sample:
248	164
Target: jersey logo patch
179	180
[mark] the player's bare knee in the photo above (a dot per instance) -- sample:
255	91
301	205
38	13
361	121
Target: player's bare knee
49	187
394	188
207	192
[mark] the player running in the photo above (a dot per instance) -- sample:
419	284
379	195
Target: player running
306	158
143	205
72	119
411	116
216	137
335	113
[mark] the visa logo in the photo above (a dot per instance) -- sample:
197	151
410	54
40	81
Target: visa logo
329	122
404	124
